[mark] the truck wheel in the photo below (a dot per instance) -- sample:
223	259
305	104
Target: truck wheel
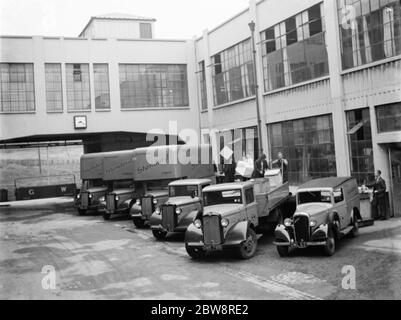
81	212
195	253
106	216
159	234
330	247
355	230
139	222
283	251
247	249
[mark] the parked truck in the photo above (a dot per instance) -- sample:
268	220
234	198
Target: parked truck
118	168
93	187
232	213
156	175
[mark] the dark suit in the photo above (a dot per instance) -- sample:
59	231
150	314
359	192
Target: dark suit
379	197
260	169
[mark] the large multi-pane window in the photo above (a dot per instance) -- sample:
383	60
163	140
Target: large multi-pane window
294	50
17	87
233	77
360	145
243	144
101	86
389	117
202	84
54	87
78	87
370	30
153	86
308	144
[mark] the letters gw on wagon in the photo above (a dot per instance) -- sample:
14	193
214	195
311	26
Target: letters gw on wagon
327	210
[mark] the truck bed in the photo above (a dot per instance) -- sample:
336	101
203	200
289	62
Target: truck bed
270	200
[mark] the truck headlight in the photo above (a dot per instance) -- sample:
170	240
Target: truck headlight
154	201
138	202
102	199
198	223
287	222
78	196
312	223
90	196
158	211
117	198
178	211
224	223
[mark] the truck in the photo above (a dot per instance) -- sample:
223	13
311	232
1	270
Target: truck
155	175
232	214
327	210
93	187
118	168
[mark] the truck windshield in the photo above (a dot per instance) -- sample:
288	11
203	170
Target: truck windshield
315	196
183	191
222	197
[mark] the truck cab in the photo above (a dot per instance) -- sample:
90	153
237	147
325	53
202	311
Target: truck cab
118	170
179	211
327	210
231	215
93	188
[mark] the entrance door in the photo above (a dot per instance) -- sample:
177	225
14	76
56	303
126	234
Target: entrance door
395	158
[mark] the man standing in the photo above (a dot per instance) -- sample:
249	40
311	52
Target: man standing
282	164
379	196
260	167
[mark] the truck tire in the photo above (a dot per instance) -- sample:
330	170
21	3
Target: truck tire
195	253
247	249
283	251
330	247
81	212
106	216
355	231
139	223
159	234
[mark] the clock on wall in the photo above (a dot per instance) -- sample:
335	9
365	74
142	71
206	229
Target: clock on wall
80	122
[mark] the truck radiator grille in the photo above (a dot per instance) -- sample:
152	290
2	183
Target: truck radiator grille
147	206
84	199
301	227
169	218
212	231
110	202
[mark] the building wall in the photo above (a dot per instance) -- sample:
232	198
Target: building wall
115	28
41	50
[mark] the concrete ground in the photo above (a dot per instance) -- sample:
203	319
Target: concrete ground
94	259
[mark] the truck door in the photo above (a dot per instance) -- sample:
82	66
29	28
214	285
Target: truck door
251	206
340	206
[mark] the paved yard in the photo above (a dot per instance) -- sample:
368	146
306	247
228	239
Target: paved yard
94	259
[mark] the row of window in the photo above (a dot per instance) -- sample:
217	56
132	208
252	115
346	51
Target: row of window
141	86
308	143
294	50
370	30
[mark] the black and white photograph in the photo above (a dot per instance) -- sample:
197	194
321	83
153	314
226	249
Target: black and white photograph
200	155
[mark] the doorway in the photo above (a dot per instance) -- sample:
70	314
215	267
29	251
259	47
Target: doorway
395	161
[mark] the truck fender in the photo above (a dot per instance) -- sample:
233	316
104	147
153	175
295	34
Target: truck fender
135	210
193	234
238	232
155	219
320	233
281	234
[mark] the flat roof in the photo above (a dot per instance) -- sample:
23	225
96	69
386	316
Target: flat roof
186	182
330	182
